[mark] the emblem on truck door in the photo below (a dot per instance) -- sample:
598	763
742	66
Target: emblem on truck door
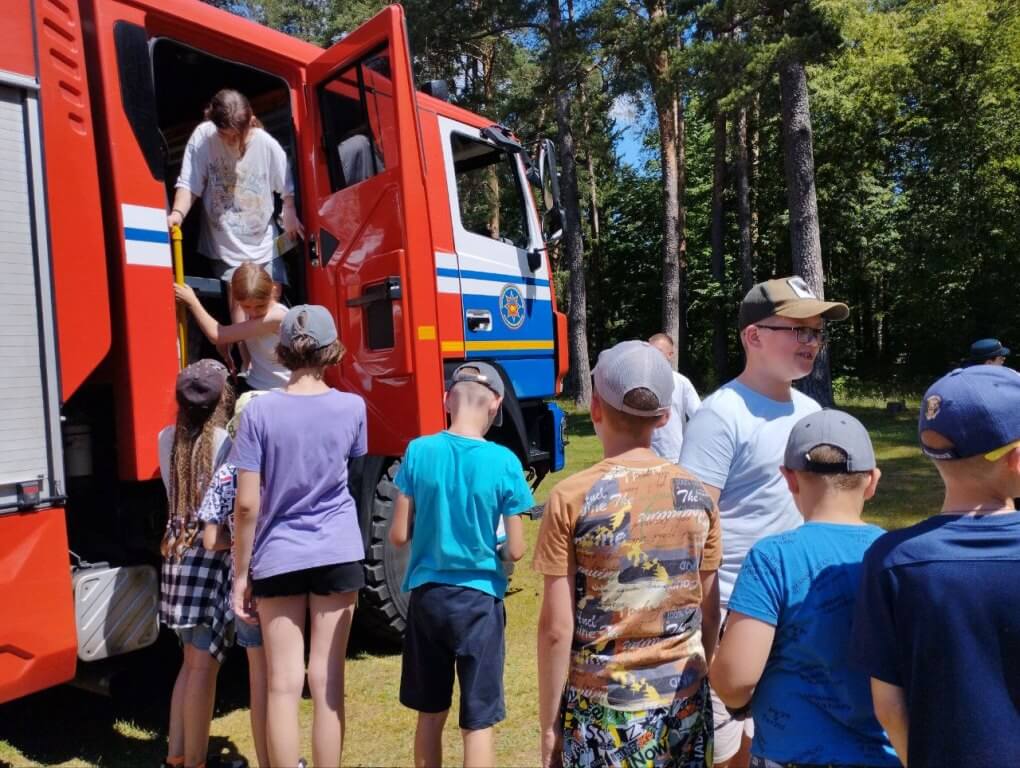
511	307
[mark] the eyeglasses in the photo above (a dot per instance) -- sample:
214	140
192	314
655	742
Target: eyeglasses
805	334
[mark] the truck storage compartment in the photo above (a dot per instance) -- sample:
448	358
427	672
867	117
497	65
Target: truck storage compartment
30	468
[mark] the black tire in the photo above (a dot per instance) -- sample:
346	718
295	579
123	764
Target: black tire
384	610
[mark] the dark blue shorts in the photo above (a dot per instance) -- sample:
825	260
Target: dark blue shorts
454	628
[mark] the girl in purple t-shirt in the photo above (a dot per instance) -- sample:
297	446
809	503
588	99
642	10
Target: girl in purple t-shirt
298	544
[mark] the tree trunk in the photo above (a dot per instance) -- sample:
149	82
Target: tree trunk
754	148
805	242
743	184
579	381
720	354
682	356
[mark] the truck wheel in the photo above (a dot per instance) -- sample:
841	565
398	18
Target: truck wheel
384	612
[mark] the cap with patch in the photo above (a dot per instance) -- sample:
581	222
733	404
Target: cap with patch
787	297
986	349
976	410
484	374
632	365
200	384
829	427
308	321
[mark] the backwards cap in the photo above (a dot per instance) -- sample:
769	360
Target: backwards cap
634	365
976	410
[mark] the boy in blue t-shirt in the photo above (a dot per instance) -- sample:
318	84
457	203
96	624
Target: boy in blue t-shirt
785	647
938	620
454	489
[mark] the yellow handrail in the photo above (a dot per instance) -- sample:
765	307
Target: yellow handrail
176	239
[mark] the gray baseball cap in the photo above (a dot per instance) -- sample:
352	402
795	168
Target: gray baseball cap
311	320
829	427
634	365
480	373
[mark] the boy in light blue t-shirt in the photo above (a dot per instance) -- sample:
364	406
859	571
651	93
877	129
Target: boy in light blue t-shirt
455	487
785	649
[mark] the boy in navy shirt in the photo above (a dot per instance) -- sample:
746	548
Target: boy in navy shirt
937	624
454	487
786	644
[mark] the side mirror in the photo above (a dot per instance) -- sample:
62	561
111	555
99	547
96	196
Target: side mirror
552	219
549	176
552	226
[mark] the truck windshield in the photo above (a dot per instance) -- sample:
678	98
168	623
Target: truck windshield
489	191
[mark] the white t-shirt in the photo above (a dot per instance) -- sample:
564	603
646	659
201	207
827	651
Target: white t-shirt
237	193
736	442
668	440
221	449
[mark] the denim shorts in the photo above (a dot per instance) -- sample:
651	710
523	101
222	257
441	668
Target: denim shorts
276	268
199	636
247	635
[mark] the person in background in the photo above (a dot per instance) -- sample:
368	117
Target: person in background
235	167
937	622
217	516
668	439
735	442
987	352
629	550
784	651
455	486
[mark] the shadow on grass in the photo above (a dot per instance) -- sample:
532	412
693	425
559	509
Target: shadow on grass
128	727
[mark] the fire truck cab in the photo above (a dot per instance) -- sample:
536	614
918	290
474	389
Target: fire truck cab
422	237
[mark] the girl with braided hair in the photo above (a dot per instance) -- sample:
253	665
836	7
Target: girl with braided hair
195	582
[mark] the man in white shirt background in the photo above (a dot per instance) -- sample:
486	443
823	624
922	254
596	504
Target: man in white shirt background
668	439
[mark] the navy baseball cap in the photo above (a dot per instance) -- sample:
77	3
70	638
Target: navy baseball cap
829	427
977	410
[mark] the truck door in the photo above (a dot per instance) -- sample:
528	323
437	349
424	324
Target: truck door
502	269
370	229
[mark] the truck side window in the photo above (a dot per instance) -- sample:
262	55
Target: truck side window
358	121
489	191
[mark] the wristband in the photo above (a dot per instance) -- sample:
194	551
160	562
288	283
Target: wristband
178	210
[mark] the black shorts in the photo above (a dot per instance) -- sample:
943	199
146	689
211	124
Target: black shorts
321	580
454	628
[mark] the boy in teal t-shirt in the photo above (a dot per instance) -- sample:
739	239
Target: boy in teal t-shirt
454	488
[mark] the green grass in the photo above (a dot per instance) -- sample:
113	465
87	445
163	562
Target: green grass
66	726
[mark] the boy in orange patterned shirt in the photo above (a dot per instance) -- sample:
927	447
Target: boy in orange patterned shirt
629	549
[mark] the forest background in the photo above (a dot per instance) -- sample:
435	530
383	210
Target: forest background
708	144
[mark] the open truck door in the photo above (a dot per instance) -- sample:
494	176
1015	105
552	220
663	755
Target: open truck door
372	264
369	231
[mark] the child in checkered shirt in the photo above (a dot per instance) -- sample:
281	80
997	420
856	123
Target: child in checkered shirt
217	514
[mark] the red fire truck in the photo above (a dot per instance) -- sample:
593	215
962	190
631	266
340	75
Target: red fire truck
435	257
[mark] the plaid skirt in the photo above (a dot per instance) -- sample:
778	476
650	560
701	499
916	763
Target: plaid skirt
195	589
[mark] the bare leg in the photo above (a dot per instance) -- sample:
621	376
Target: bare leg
257	688
198	703
428	739
283	637
175	733
479	748
331	628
